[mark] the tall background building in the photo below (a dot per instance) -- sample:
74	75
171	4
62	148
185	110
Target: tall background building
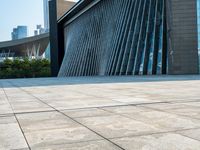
39	30
46	25
19	32
46	15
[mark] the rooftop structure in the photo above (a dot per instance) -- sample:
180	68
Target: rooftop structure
30	46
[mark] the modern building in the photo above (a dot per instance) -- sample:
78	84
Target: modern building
32	47
39	30
19	32
129	37
46	15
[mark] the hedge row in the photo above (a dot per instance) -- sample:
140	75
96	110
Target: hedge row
25	68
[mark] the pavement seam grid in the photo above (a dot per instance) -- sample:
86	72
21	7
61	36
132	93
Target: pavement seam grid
72	119
128	105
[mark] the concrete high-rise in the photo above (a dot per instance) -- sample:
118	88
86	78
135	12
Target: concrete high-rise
19	32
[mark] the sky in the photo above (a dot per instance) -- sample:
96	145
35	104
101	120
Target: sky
20	12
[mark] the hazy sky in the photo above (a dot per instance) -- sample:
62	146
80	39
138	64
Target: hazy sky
19	12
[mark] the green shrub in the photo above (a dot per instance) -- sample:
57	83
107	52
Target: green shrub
25	68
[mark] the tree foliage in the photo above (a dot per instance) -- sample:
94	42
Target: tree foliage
25	68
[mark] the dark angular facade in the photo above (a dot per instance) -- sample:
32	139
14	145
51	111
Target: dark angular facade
128	37
182	36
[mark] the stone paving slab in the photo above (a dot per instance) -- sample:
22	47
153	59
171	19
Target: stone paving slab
117	126
46	138
11	136
31	106
193	133
100	113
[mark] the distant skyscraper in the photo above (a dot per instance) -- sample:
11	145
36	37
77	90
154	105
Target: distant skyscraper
39	29
19	32
35	32
46	14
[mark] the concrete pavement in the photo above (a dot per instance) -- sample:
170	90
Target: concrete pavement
100	113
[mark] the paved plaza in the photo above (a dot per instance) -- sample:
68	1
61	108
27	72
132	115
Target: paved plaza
100	113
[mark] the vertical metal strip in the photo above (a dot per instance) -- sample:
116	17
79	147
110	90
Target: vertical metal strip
160	47
130	38
124	40
152	48
117	48
120	20
145	50
140	42
134	42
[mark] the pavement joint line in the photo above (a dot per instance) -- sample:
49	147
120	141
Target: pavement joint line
98	107
34	112
17	120
145	105
74	120
6	115
150	103
155	133
21	113
179	102
80	109
76	142
107	139
123	115
165	111
93	116
86	108
189	137
174	102
117	114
